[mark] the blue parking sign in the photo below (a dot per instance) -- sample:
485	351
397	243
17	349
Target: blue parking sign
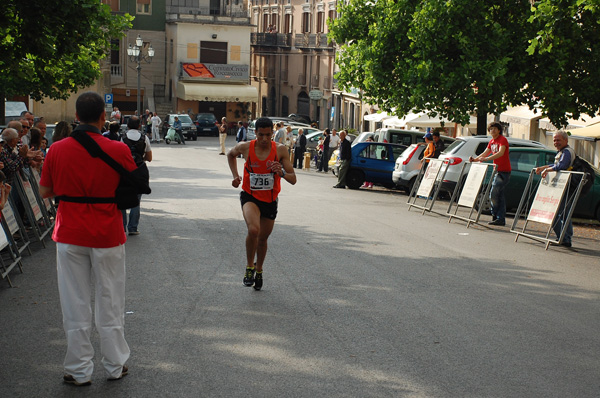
108	98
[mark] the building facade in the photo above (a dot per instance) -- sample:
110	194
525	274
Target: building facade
293	63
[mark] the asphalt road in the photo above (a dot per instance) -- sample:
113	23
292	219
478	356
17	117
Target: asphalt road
361	298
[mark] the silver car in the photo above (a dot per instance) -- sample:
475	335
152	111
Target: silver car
464	147
407	167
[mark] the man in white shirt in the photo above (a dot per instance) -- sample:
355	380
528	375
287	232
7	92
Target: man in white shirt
334	140
155	123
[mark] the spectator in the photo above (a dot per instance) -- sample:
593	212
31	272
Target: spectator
334	142
139	145
41	125
289	139
280	133
62	130
345	159
90	247
155	123
222	134
497	150
299	148
44	146
241	134
4	191
563	161
373	155
24	131
35	142
113	131
178	129
438	143
323	166
115	115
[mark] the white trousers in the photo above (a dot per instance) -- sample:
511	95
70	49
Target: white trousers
155	134
78	267
222	138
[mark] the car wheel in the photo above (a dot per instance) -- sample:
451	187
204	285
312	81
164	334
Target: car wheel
195	137
487	207
410	185
355	179
167	141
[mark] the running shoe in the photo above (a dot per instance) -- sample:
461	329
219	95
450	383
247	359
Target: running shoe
258	281
249	277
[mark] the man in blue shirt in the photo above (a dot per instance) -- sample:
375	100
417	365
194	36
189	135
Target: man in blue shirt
563	161
177	127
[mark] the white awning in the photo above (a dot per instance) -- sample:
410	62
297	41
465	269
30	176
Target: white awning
426	121
377	117
402	121
592	132
217	92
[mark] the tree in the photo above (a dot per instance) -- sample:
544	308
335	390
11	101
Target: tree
52	48
456	57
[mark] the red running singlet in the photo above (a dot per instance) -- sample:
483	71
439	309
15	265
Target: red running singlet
259	181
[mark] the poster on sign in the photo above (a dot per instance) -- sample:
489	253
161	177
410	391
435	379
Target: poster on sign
429	177
37	212
472	186
548	197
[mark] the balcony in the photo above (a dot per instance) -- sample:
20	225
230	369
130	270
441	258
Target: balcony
311	41
271	39
235	15
116	70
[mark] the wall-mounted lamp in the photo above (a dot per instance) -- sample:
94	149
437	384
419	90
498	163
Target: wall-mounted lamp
214	36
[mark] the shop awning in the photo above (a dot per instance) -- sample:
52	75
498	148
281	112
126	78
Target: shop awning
590	132
427	121
217	92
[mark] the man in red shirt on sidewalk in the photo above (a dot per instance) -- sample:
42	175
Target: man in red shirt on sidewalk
498	148
89	245
267	162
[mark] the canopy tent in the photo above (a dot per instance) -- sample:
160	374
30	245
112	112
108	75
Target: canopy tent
217	92
425	121
591	132
583	121
401	122
377	117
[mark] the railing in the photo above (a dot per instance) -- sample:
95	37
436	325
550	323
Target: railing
234	11
116	70
271	39
313	41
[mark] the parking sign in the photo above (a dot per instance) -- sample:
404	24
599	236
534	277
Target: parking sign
108	99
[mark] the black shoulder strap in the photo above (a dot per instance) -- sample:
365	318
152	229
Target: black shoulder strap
96	152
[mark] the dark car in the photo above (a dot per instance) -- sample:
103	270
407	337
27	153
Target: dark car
188	128
206	124
300	118
373	162
523	160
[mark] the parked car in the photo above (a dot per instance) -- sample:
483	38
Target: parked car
13	110
373	162
188	128
362	137
300	118
408	166
464	147
206	124
286	120
523	160
405	137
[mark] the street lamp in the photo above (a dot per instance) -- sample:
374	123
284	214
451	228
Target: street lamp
135	55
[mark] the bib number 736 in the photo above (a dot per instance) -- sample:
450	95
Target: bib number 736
261	182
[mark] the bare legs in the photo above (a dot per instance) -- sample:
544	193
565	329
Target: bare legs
259	229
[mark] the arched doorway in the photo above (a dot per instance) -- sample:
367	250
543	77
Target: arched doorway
303	107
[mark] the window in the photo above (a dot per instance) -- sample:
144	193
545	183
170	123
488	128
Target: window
305	22
320	22
213	52
114	4
287	23
144	7
115	52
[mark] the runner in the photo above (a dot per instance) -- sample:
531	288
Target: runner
267	162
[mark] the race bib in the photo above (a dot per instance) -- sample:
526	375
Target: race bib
261	182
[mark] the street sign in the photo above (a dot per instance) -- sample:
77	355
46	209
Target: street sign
108	99
315	94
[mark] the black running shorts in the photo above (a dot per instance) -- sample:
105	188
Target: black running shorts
267	210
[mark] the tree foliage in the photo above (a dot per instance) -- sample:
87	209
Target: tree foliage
454	58
52	48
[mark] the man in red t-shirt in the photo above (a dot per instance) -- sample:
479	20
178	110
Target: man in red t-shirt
89	245
267	162
498	148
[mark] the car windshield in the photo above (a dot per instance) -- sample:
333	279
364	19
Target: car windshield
206	118
183	119
454	147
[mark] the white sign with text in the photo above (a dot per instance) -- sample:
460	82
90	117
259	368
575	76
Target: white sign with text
548	197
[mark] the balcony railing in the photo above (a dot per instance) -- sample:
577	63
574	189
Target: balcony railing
116	70
271	39
317	41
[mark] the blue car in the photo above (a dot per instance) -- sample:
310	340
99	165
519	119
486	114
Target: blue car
373	162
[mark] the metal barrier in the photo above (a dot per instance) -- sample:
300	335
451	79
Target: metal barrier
427	184
547	203
472	192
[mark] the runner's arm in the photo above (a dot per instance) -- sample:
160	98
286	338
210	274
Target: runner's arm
240	149
285	164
